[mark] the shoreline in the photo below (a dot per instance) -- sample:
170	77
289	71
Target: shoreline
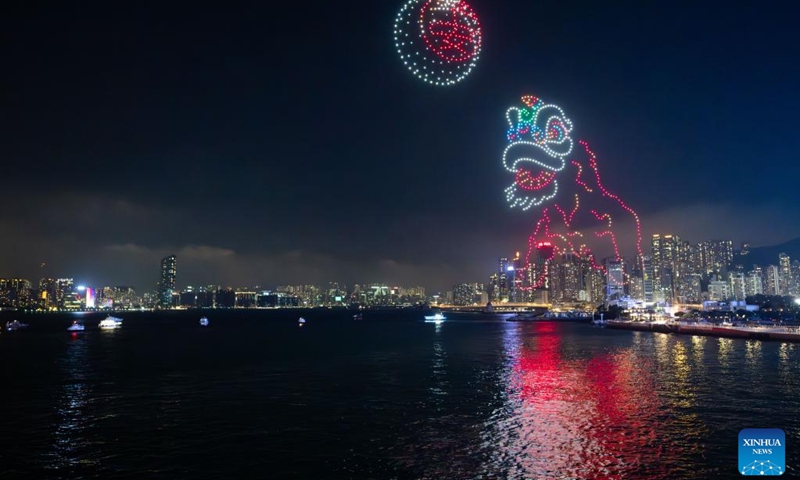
782	334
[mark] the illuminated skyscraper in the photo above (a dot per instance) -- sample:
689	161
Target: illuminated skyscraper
48	293
66	287
715	256
666	266
773	280
785	266
615	279
504	285
166	287
463	294
90	298
647	279
754	283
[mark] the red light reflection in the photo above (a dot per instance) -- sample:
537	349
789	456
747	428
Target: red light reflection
589	419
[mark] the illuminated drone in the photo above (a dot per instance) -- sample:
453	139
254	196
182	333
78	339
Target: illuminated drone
438	40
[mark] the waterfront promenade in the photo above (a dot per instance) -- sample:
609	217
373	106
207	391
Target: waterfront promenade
753	332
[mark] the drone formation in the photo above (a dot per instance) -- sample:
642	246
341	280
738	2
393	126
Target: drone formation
586	214
439	41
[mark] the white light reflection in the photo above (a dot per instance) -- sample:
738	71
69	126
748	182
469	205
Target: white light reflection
788	369
71	446
725	349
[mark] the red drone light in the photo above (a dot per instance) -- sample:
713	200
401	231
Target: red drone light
527	181
450	29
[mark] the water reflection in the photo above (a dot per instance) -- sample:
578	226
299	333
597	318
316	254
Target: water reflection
699	350
725	346
753	353
595	417
439	368
787	368
70	436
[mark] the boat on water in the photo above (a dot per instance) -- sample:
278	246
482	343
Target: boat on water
599	322
15	325
111	323
435	318
204	322
76	326
358	316
301	321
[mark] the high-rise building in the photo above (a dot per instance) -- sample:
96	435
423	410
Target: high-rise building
692	288
505	274
615	279
715	256
754	282
89	301
795	287
48	293
719	290
166	287
66	287
647	279
785	266
773	280
19	292
516	280
666	266
738	283
636	282
463	294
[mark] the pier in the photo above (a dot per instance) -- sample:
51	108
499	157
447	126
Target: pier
780	333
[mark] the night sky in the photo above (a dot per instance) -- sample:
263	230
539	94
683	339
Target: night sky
285	142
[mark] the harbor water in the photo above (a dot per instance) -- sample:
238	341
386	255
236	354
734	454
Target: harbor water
256	396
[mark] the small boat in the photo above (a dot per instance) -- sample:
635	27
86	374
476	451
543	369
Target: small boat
76	326
15	325
358	316
301	322
111	323
435	318
204	322
599	322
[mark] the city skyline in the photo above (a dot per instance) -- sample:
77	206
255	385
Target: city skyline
255	154
672	271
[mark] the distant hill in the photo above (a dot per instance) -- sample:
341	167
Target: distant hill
769	255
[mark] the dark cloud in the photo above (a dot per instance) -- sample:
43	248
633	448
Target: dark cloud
312	155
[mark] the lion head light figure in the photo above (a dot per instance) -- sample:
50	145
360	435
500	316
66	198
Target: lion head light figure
540	141
577	214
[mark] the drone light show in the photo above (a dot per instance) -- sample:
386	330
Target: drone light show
577	213
438	40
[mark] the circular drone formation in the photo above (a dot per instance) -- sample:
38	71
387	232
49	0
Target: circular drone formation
438	40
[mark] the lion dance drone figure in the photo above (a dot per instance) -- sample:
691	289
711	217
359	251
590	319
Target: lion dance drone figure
576	209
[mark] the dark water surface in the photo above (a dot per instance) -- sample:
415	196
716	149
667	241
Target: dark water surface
389	397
